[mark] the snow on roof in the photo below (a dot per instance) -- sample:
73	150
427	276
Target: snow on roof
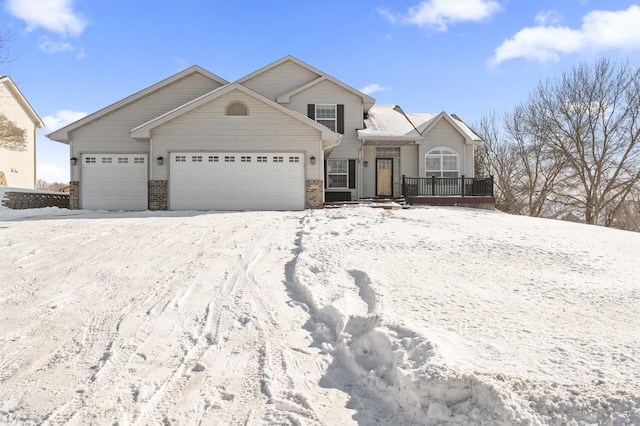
388	122
391	122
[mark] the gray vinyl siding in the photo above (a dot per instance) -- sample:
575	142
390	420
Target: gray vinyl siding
208	129
369	172
443	134
280	80
409	161
110	133
330	93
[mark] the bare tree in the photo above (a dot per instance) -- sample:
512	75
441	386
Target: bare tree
497	157
12	137
590	117
50	186
540	166
4	43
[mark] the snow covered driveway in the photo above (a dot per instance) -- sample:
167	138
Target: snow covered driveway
108	318
326	317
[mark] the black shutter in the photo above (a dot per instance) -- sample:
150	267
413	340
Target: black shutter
325	174
311	111
340	124
352	174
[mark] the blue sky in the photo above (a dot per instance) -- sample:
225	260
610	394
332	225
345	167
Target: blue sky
468	57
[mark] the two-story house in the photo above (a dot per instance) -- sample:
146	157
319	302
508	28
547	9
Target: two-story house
18	126
285	137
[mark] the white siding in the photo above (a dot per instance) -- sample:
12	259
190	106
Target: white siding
329	93
22	162
444	134
265	129
111	132
280	80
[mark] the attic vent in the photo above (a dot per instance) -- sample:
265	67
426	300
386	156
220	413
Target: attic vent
237	108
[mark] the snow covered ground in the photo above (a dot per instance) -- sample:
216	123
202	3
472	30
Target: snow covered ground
327	317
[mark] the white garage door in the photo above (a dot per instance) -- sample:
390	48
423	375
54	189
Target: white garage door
114	182
236	181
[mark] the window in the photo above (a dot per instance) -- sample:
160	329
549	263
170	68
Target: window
338	174
123	160
277	159
262	159
237	108
294	159
213	158
90	160
196	158
229	159
441	162
245	159
181	158
326	115
107	160
138	160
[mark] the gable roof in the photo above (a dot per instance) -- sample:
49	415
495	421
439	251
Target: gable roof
17	94
367	100
424	123
143	131
62	135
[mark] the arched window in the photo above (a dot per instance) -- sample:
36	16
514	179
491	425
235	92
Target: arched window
442	162
237	108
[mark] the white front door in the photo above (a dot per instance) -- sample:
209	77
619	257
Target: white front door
236	181
113	182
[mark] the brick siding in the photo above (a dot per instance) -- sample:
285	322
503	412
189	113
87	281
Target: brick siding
314	194
158	193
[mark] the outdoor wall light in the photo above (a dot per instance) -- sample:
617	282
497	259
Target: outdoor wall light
312	160
74	161
366	163
160	161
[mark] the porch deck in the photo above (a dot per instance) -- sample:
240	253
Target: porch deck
462	191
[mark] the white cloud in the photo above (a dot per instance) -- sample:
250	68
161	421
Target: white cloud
438	14
600	30
55	16
61	119
51	46
372	88
548	17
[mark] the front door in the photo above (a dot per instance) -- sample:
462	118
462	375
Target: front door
384	177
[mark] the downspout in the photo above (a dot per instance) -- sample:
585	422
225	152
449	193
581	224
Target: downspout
35	159
361	170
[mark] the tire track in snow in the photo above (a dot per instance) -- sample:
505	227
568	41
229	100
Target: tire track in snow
209	331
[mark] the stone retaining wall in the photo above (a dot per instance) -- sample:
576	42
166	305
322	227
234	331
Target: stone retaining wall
34	200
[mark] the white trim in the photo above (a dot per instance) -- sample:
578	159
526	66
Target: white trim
441	155
346	174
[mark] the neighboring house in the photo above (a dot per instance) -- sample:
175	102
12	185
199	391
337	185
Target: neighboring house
285	137
18	125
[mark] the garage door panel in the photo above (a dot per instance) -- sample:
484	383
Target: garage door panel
114	182
236	181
